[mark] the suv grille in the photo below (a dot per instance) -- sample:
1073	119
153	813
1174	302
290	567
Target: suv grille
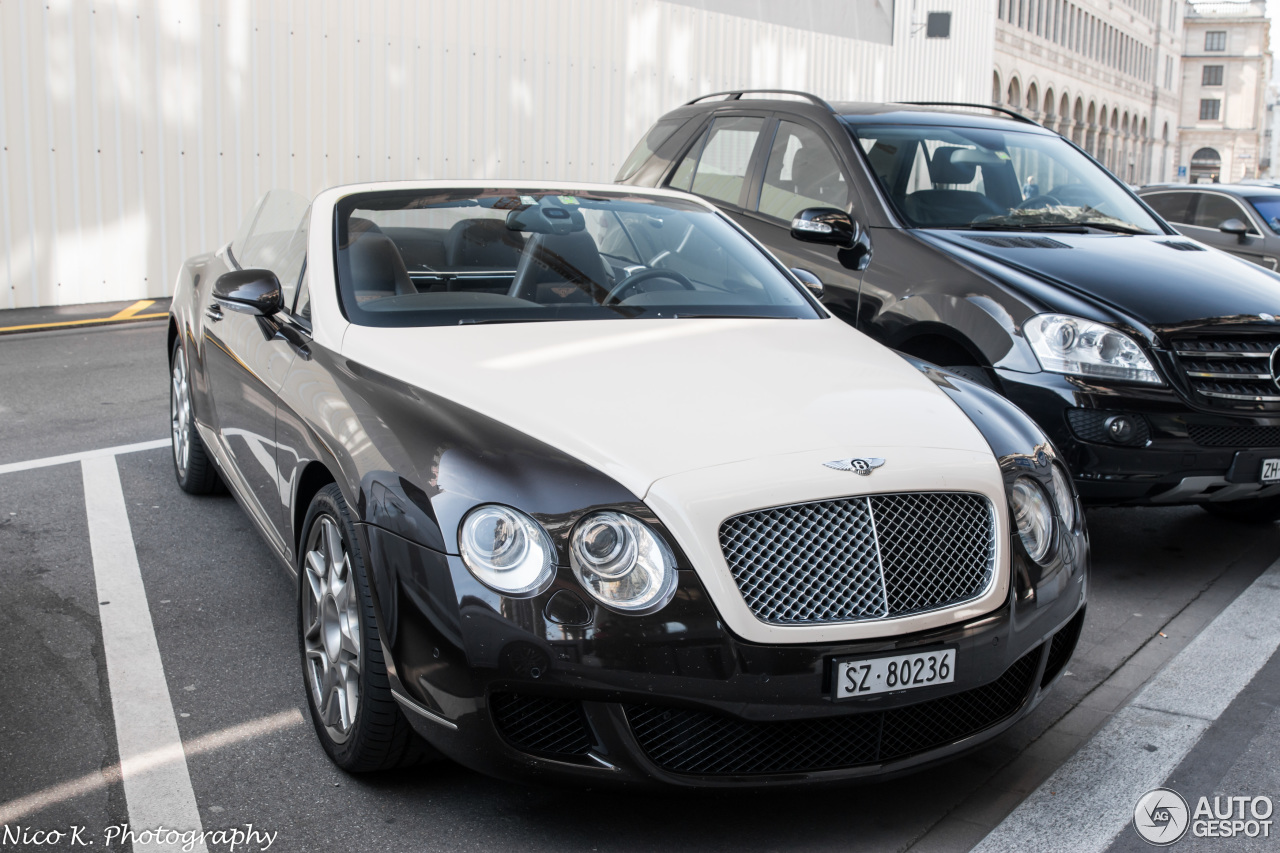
1234	436
682	740
1229	370
861	558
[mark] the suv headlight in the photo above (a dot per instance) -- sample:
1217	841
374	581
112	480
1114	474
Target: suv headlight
1065	344
1033	515
622	563
506	550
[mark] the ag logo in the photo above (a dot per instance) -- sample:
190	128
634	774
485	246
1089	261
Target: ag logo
1161	817
861	467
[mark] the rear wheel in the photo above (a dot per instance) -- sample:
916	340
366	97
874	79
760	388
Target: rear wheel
357	720
1256	511
191	463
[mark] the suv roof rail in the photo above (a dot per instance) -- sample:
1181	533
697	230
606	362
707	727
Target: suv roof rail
1011	113
736	95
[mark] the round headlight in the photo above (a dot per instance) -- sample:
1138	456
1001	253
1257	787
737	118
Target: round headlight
1063	497
1033	513
506	550
622	563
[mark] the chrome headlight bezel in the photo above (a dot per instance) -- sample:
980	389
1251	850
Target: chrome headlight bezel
1034	518
1074	346
634	574
522	565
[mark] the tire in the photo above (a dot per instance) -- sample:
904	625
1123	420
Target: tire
191	463
1257	511
358	722
974	374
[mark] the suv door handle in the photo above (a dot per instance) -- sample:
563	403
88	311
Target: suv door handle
213	312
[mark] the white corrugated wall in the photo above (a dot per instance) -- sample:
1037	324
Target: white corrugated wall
136	134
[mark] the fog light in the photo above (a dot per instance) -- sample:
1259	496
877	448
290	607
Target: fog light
1120	429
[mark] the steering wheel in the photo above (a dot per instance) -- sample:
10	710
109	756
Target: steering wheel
1038	201
1075	194
644	275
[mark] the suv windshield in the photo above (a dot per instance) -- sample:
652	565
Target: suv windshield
961	177
506	256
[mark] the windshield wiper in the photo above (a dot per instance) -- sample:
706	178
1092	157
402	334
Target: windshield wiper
485	321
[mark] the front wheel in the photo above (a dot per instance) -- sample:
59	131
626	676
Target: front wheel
357	720
191	463
1256	511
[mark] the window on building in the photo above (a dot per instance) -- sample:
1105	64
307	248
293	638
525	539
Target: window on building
1211	75
1210	109
1215	40
1168	72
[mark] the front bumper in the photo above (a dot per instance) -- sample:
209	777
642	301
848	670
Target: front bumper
550	686
1179	455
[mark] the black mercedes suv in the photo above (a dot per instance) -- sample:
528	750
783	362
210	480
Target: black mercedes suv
974	238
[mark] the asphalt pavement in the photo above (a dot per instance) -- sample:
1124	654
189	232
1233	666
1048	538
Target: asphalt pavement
222	617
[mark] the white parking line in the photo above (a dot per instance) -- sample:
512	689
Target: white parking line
1090	799
153	765
10	467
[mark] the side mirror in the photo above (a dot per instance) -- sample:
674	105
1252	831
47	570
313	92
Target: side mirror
1236	227
811	282
828	225
250	292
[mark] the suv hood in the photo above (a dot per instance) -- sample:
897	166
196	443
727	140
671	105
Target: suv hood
641	400
1144	277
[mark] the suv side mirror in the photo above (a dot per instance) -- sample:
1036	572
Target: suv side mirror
828	225
1236	227
250	292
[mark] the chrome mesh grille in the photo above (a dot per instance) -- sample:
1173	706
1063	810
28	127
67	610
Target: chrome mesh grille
1229	371
861	558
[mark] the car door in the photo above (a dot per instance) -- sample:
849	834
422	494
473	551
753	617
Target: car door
1214	208
246	360
800	169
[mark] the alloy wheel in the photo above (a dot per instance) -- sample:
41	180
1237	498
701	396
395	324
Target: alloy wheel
331	629
180	412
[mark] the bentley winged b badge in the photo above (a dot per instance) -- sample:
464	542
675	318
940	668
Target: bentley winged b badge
860	466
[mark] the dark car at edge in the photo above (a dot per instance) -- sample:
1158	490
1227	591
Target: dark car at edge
994	247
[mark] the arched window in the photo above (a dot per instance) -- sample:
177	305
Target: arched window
996	89
1049	106
1206	166
1033	98
1015	93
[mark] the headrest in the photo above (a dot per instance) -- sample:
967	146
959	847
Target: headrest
947	168
483	244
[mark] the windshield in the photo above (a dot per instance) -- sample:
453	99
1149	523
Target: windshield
1268	207
503	256
961	177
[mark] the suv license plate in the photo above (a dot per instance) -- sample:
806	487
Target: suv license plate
900	672
1271	470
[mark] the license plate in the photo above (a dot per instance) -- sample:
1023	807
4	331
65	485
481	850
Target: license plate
1271	470
900	672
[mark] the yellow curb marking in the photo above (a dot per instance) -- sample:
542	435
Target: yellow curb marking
130	313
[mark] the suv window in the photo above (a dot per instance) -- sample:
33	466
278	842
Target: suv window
802	172
716	166
1173	207
1214	209
647	145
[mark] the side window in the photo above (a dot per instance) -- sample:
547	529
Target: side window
302	309
802	172
274	237
717	167
1214	210
647	145
1172	207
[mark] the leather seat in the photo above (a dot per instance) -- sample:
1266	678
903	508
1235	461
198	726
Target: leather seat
949	206
558	269
376	266
482	244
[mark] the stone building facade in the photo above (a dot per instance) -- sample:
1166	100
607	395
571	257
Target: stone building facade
1104	73
1223	129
